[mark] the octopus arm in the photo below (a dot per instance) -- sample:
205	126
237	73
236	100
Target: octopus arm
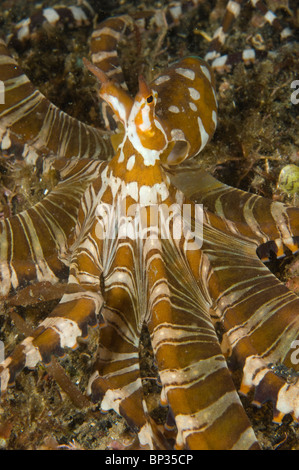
259	315
31	126
271	225
34	243
197	384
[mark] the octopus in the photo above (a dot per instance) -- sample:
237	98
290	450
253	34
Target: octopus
133	236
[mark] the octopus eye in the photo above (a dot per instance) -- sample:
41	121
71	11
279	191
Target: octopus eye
150	99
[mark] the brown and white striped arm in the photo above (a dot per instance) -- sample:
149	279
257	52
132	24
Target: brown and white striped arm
257	312
34	244
31	126
116	380
194	375
173	288
44	236
271	225
184	341
259	315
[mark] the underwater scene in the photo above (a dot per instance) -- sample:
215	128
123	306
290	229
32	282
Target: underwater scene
149	225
